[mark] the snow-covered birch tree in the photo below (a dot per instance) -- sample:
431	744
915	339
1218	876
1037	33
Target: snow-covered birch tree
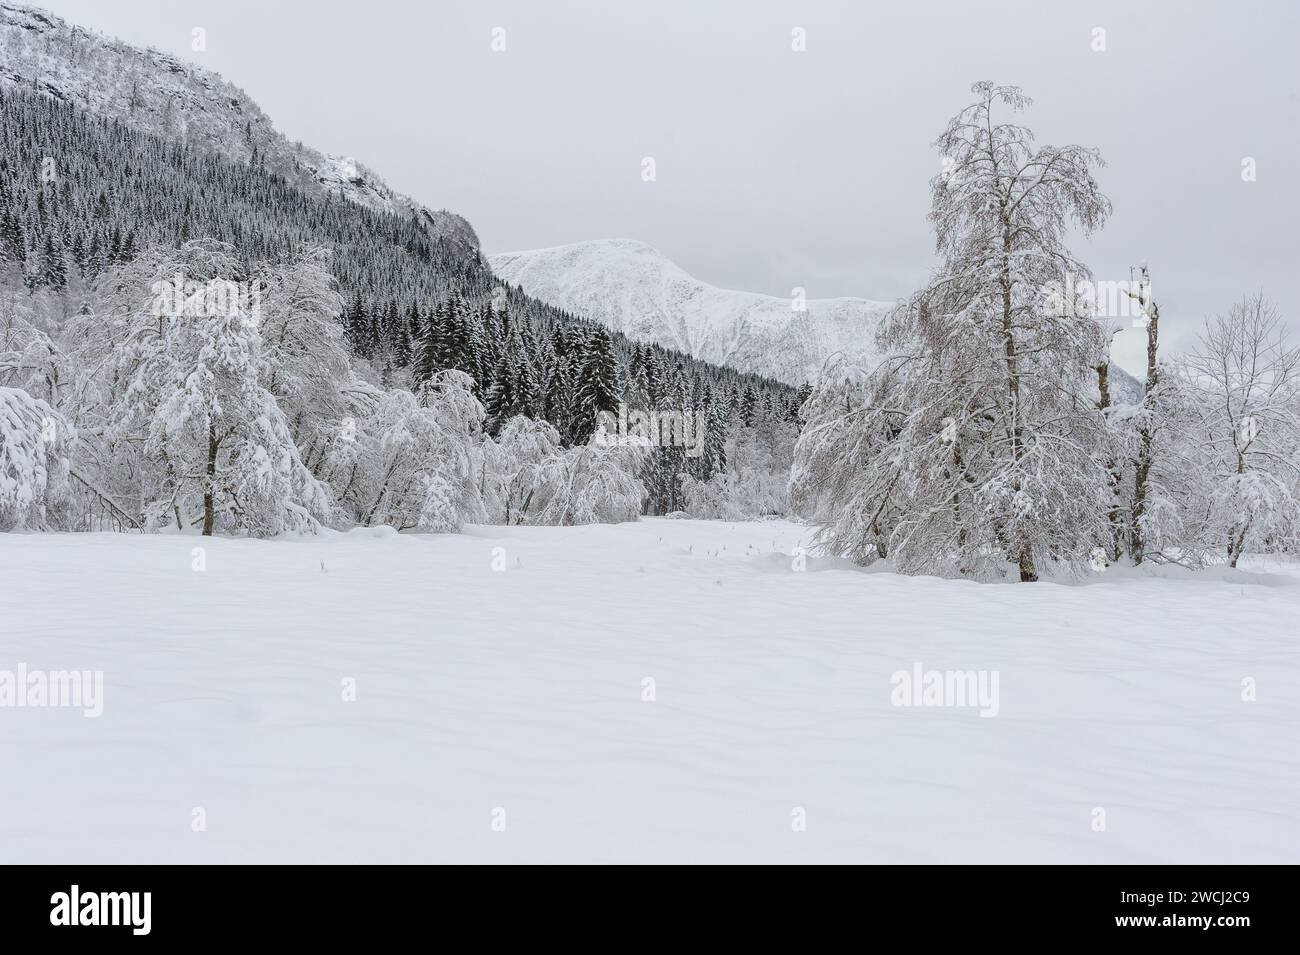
976	442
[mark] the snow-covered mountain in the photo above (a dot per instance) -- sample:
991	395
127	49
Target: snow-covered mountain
160	94
635	289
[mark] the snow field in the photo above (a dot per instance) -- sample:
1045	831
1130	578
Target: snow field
479	690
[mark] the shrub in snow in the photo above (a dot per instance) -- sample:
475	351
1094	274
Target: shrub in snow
536	481
591	484
34	440
1252	509
752	486
414	463
523	465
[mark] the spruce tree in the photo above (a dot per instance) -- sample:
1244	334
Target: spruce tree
54	271
597	382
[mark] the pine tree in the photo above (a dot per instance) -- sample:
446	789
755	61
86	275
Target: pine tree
597	382
96	261
405	349
13	244
637	394
361	325
53	269
461	354
433	352
502	399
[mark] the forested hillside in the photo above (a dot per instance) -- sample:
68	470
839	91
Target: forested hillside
80	195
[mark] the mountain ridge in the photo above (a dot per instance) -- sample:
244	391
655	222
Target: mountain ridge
162	94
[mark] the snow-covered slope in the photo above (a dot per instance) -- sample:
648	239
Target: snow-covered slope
161	94
520	696
632	288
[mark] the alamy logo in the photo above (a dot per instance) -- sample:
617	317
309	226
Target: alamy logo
1122	298
214	298
921	687
651	429
61	688
102	908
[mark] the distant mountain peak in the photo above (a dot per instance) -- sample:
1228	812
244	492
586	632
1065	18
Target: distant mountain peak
635	289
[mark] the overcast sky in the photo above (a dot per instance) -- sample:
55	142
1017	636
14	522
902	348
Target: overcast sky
774	168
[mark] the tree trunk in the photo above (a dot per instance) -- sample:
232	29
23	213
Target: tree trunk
1141	474
1027	572
1103	385
1115	516
209	512
1146	431
1236	543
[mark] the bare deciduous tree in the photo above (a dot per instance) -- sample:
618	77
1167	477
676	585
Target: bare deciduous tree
1246	426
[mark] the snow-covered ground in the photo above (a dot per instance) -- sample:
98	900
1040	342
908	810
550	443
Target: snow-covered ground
481	690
